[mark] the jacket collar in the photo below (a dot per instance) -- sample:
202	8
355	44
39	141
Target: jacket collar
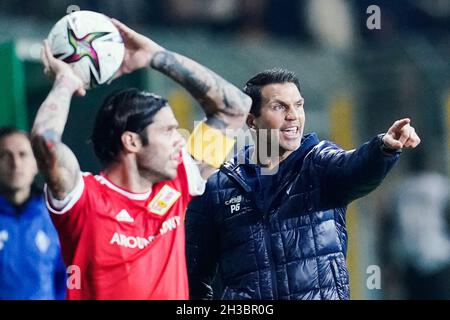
238	166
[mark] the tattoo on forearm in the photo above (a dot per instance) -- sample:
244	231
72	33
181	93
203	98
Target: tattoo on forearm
215	94
167	62
54	111
56	161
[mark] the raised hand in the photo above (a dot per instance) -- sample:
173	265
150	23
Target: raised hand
401	135
61	71
139	49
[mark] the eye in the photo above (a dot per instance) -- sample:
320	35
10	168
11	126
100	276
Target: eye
170	130
277	107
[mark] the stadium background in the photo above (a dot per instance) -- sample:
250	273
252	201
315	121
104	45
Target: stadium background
355	81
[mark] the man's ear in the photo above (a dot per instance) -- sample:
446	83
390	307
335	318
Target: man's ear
131	141
251	121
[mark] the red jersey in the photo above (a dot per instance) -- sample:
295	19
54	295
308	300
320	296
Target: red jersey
126	245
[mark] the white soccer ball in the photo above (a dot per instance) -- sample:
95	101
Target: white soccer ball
90	43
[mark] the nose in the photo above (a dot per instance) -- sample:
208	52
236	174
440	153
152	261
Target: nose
291	113
16	161
179	141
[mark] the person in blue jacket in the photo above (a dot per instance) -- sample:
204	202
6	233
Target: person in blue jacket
272	225
31	266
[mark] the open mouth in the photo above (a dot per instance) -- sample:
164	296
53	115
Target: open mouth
176	157
290	132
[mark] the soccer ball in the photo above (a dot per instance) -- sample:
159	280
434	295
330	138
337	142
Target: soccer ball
90	43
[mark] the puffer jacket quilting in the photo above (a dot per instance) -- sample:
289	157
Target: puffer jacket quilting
293	248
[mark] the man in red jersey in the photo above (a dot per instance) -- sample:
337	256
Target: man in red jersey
122	231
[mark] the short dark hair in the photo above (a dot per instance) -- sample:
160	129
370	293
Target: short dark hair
126	110
254	85
7	131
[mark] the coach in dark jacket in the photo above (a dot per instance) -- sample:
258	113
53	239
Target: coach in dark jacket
272	224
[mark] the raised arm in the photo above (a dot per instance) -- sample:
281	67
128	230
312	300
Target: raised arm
353	174
56	161
225	106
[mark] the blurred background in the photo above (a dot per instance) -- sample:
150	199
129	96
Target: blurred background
356	81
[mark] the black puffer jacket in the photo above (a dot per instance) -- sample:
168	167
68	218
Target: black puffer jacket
284	238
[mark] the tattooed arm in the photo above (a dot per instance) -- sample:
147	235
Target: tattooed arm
56	161
225	106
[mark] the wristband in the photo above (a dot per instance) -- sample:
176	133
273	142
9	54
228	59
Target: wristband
209	145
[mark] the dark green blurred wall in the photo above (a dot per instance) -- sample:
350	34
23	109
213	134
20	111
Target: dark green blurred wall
12	98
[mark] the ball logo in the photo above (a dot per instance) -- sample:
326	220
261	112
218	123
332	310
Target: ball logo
90	43
82	47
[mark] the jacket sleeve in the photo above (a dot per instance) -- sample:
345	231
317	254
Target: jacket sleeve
201	246
348	175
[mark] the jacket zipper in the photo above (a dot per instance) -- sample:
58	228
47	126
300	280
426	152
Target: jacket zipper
273	271
267	237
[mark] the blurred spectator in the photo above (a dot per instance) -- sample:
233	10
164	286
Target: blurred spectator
420	240
246	17
331	23
31	266
209	11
